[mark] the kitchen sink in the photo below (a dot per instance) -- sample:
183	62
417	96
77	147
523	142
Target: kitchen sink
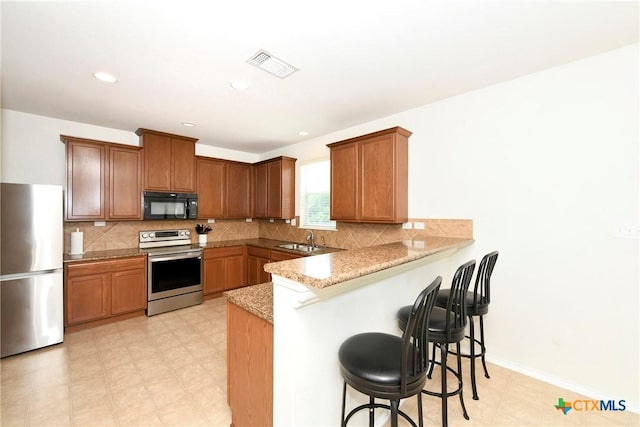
299	247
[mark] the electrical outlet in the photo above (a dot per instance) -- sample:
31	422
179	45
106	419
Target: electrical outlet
270	219
293	222
248	220
407	226
627	232
211	221
418	225
99	223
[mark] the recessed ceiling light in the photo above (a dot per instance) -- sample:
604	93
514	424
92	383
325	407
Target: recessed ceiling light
105	77
239	85
303	133
189	124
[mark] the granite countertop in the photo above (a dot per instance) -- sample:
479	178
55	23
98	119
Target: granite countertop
129	252
257	299
330	269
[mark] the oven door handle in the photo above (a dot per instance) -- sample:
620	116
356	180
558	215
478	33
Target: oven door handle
175	257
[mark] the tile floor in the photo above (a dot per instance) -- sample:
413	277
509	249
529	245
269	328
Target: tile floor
170	370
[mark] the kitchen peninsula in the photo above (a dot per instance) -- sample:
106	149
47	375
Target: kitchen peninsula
312	305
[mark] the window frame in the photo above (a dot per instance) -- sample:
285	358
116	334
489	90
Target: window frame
332	226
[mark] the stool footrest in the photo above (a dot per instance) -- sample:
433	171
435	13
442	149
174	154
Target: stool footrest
377	405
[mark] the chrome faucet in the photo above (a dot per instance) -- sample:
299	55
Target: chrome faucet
311	239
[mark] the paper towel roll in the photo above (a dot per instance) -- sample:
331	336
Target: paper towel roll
76	242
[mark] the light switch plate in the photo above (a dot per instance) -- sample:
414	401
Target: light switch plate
418	225
407	226
211	221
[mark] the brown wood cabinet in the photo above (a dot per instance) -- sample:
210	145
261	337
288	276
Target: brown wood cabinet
223	269
369	177
275	188
249	368
277	255
238	190
224	188
98	290
104	180
169	161
256	259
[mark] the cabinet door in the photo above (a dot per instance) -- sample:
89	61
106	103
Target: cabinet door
234	272
128	291
260	203
377	183
87	298
274	190
256	259
213	275
125	183
287	188
157	162
86	193
183	165
238	190
211	185
344	182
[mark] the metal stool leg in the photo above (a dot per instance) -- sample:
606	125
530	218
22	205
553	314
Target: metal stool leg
443	381
459	375
472	343
420	420
484	350
344	399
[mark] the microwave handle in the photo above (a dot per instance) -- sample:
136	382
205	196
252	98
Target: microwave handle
186	209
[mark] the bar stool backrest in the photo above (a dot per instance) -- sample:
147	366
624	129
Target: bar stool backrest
415	339
482	288
456	303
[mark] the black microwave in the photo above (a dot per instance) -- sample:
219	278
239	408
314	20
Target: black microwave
170	205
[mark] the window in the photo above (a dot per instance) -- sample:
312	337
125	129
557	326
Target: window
315	184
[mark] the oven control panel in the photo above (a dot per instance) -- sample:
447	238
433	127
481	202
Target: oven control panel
158	238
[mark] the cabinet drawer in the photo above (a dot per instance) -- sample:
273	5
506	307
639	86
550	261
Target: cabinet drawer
223	252
100	267
258	252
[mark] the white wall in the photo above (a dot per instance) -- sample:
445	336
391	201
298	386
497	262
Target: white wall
547	167
32	152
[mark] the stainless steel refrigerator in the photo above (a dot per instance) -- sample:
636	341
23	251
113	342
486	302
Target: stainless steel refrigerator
31	267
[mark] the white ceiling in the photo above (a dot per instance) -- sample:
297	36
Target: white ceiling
358	60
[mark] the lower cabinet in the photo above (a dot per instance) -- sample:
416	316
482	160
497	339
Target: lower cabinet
249	368
99	290
283	256
223	269
256	259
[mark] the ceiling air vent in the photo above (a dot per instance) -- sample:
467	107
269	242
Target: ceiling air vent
272	65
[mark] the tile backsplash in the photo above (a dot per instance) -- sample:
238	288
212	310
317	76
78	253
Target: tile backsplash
124	234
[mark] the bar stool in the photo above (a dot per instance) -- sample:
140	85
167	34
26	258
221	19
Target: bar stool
477	305
389	367
447	326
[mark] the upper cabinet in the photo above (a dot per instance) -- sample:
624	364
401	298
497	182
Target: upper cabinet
369	177
104	180
169	161
224	188
274	186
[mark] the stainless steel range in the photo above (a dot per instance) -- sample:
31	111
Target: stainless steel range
174	270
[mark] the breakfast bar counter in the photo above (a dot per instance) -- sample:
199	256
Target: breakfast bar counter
311	306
